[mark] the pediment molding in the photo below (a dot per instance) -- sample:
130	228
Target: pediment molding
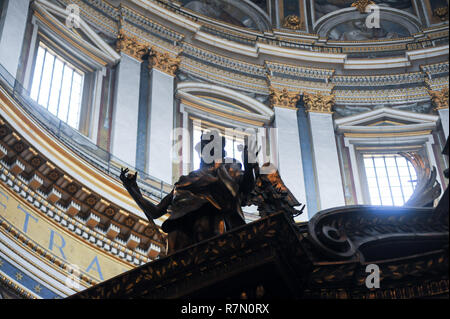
83	39
387	120
224	103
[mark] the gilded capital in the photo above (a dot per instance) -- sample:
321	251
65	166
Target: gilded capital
292	22
284	98
361	5
318	103
164	62
441	13
131	46
439	98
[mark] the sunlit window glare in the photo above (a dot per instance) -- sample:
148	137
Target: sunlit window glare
57	86
391	179
231	148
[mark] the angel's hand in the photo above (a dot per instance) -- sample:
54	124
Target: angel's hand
123	174
128	179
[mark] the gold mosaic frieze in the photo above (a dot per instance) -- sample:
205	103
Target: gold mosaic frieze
318	103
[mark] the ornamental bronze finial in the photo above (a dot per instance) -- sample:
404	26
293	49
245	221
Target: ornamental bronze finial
293	22
361	5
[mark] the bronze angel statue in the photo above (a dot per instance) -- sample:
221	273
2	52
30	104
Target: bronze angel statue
209	201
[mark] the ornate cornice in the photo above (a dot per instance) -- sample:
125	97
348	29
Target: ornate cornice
361	5
68	197
213	58
109	18
284	98
439	98
293	22
131	46
164	62
318	103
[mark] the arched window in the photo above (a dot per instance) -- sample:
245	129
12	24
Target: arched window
376	146
231	144
235	115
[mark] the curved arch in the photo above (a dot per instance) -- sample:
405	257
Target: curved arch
329	22
215	98
242	12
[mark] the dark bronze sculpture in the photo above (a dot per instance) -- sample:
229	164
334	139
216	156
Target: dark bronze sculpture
206	202
326	258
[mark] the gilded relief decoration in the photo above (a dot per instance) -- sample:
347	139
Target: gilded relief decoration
164	62
441	13
131	46
293	22
318	103
66	197
361	5
440	98
283	98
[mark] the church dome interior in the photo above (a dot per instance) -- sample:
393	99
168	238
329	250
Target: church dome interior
347	99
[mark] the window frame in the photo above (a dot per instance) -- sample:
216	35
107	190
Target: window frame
89	79
74	69
200	128
384	155
95	70
421	144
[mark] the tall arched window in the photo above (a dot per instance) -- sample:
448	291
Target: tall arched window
233	114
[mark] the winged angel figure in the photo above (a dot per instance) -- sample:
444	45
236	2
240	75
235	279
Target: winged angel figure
208	201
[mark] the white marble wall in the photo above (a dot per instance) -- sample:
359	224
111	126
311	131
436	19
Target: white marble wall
289	154
161	119
326	161
126	110
443	114
12	34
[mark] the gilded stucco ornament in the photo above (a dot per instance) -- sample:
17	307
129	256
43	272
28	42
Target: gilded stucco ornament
361	5
441	13
292	22
131	46
318	103
440	98
164	62
283	98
